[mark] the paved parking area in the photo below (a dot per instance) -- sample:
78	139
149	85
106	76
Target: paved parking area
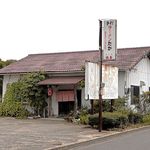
42	134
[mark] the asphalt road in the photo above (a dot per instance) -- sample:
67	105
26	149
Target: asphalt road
139	140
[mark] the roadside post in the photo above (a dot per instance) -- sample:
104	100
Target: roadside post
101	80
107	51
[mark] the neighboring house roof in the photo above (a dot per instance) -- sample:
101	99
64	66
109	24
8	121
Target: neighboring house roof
73	61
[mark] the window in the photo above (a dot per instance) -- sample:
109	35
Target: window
135	94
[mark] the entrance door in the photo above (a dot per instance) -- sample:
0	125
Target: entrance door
79	99
65	107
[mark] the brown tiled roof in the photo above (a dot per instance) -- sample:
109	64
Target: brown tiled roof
73	61
129	57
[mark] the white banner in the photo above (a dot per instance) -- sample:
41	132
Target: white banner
91	80
109	39
109	78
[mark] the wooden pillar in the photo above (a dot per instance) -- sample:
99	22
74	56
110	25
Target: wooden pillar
112	105
92	106
48	111
75	99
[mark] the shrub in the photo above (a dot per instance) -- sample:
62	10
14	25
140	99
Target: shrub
110	120
84	119
83	116
12	107
135	118
118	104
146	119
94	120
114	120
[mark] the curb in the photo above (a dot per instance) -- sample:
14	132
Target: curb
100	139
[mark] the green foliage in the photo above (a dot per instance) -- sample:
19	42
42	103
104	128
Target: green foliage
110	120
143	103
82	83
31	92
94	120
83	115
12	92
26	90
84	119
135	118
11	107
114	120
119	104
146	119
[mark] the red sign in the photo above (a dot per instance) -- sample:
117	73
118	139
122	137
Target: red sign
50	92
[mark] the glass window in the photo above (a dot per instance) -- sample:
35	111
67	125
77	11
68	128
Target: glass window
135	94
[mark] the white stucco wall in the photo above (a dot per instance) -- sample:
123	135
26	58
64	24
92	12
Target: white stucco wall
121	83
9	79
85	103
54	102
141	72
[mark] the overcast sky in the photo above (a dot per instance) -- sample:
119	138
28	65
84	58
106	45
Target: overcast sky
43	26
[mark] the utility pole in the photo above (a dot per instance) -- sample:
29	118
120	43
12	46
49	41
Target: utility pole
100	82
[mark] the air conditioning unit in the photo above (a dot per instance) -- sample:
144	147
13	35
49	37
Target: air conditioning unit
142	83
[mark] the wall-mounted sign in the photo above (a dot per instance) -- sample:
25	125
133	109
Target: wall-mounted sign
50	92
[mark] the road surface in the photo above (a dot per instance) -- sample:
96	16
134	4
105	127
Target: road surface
139	140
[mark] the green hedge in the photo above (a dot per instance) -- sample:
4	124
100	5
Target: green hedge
146	119
135	118
116	119
13	109
110	120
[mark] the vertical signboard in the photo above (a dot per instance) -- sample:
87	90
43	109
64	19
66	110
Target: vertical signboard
109	39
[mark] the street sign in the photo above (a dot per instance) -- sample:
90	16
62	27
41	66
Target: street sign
109	39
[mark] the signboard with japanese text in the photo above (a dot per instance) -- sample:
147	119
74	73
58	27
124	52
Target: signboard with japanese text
109	39
109	80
